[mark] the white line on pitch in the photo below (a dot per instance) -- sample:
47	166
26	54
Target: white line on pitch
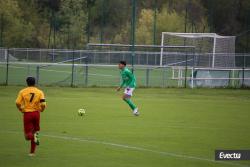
133	148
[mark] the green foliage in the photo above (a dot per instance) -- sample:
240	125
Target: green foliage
112	17
72	29
33	23
170	21
230	17
166	21
16	31
145	27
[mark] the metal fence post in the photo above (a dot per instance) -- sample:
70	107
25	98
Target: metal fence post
147	77
40	55
233	81
243	72
7	68
73	69
185	83
133	26
164	77
27	54
192	78
86	72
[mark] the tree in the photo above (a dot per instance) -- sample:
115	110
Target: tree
73	19
15	32
166	21
230	17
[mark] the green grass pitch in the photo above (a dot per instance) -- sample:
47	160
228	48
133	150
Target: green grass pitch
177	128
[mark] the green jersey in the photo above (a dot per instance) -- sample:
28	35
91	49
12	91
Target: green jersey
127	78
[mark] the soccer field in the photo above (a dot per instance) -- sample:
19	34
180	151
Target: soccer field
177	128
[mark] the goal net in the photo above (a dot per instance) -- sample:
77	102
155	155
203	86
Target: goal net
210	49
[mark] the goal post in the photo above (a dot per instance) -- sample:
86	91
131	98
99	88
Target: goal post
211	49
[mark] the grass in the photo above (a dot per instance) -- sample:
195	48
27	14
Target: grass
177	128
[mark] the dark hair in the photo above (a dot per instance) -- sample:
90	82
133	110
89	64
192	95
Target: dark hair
123	62
31	81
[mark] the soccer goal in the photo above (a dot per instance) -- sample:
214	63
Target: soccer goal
210	49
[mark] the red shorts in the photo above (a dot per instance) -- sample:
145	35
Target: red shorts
31	122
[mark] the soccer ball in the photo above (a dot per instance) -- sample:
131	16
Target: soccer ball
81	112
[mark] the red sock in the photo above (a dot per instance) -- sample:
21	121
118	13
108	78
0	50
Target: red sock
33	146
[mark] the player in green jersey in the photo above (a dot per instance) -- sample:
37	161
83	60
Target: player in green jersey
128	81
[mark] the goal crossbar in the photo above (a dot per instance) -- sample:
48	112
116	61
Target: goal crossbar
141	46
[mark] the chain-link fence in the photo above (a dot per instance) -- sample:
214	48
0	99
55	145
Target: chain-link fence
99	68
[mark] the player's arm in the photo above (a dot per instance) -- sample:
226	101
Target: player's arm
19	107
121	85
43	105
42	102
19	102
